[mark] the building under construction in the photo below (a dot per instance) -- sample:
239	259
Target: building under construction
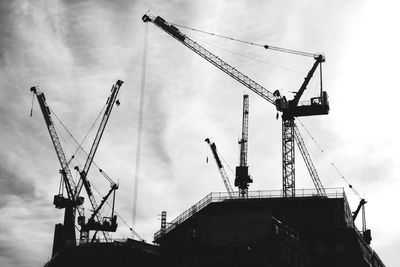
291	227
264	229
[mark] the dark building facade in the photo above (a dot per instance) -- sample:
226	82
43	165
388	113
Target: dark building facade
266	230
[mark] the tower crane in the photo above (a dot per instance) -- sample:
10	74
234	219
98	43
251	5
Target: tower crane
242	177
102	224
72	202
221	168
290	109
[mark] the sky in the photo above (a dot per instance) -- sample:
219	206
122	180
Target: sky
74	51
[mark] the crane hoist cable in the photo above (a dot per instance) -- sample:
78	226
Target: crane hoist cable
140	122
80	147
312	138
344	179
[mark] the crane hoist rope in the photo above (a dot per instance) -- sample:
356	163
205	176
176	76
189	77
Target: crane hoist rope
347	182
139	132
312	138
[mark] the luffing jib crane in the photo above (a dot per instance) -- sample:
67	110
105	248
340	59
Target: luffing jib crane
290	109
102	224
221	168
366	233
242	177
65	232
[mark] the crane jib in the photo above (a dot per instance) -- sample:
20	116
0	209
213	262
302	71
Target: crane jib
210	57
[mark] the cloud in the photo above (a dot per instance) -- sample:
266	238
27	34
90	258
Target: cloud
12	185
75	51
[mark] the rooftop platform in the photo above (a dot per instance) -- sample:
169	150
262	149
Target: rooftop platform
215	197
266	229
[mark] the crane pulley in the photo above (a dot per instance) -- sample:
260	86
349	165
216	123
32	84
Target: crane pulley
290	109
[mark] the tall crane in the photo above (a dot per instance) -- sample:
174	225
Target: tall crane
65	232
221	168
290	109
101	225
242	177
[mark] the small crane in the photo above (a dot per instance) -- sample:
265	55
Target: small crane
221	168
242	177
366	233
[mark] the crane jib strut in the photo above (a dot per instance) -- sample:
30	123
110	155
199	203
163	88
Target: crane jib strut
290	109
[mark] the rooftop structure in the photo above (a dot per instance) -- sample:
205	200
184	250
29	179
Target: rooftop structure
266	229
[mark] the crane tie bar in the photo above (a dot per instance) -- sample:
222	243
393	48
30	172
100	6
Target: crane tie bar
280	49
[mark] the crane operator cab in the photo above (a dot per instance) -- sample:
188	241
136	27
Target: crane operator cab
295	108
315	106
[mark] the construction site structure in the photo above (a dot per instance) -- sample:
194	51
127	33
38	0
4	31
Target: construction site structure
267	229
282	228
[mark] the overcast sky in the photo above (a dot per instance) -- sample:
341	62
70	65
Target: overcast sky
76	50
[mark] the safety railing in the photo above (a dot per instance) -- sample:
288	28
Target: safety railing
221	196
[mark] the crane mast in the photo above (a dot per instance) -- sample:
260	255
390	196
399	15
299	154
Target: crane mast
290	109
242	178
221	168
